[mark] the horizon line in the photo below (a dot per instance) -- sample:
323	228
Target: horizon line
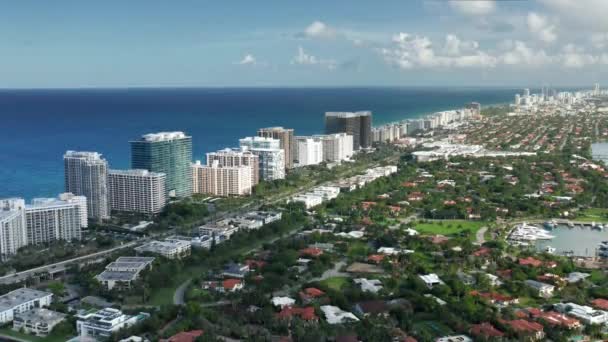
160	87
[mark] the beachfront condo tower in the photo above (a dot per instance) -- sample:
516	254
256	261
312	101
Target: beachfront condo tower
169	153
357	124
86	174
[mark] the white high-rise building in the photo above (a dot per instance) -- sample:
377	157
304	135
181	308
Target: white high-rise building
221	180
272	157
86	174
139	191
235	157
13	233
51	219
309	151
336	147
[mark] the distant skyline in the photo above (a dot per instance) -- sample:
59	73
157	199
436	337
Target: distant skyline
192	43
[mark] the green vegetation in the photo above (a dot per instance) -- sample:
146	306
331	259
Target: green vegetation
593	215
449	227
335	283
26	337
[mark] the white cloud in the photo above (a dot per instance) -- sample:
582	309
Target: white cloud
473	7
318	29
575	57
519	54
454	46
541	28
589	14
599	40
248	59
418	52
303	58
410	52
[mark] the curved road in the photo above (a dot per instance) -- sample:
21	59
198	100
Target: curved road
180	292
480	237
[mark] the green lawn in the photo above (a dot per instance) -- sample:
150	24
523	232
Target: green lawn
593	215
9	332
335	283
449	227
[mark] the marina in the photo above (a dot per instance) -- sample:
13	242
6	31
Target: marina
563	237
578	240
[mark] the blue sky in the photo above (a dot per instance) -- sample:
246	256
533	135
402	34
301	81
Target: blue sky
111	43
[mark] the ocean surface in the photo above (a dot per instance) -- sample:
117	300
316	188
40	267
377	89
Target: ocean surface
599	151
581	241
38	126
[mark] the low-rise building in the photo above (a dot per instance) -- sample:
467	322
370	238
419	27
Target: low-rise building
217	230
122	272
103	323
171	248
238	271
541	289
282	302
586	314
335	315
372	308
527	329
22	300
431	280
37	321
369	285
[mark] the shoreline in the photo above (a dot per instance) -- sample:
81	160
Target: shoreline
417	116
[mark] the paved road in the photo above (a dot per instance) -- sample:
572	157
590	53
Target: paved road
178	296
333	272
481	235
20	276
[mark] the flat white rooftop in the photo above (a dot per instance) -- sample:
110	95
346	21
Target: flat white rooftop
20	296
163	136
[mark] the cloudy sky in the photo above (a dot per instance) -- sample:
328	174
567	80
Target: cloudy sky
117	43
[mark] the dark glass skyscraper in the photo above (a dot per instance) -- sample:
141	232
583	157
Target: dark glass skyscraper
358	124
169	153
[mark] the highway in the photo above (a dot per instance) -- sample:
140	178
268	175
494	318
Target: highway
23	275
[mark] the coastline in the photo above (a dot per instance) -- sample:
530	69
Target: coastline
94	120
425	114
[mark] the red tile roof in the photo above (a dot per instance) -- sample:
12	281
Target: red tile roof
485	330
229	284
600	303
530	261
313	292
523	326
311	251
483	251
306	313
493	297
377	258
185	336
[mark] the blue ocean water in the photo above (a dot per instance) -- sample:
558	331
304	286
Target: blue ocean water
38	126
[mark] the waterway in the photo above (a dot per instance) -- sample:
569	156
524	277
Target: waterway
599	151
581	241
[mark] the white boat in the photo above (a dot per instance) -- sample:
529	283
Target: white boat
550	249
527	232
598	226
